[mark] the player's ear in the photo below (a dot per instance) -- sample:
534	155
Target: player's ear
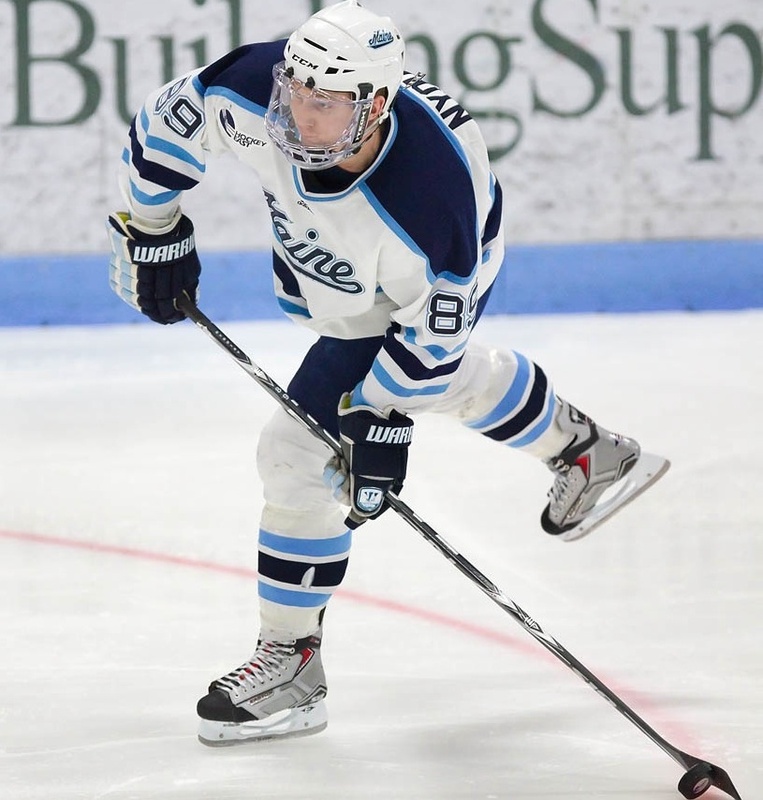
379	100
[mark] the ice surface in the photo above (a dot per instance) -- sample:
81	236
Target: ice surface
129	505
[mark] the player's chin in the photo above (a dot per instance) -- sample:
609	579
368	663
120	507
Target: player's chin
315	142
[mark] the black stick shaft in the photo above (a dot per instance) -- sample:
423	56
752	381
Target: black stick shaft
720	778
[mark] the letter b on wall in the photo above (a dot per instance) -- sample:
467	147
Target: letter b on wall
74	33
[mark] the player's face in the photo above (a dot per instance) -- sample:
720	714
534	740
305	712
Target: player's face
321	117
315	128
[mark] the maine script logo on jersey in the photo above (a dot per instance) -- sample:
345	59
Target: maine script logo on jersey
308	258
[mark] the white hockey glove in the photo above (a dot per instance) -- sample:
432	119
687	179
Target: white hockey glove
373	462
149	271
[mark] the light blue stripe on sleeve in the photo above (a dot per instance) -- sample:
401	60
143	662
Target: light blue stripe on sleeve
386	380
152	199
238	99
292	308
434	350
163	146
198	85
357	396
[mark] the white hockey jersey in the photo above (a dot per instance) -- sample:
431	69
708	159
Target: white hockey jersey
405	250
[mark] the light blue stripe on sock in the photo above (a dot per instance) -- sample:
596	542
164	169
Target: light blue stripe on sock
540	428
335	546
288	597
510	400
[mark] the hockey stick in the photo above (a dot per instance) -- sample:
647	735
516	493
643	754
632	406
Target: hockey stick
700	774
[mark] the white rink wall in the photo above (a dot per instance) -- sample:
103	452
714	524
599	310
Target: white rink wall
608	120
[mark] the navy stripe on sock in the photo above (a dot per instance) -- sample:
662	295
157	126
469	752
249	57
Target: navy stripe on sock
283	571
528	415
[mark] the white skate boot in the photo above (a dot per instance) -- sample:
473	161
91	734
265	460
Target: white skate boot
595	461
277	693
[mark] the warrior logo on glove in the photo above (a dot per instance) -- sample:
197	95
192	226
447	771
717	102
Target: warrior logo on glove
163	253
382	435
369	499
374	458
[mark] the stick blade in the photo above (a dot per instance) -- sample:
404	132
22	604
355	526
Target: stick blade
722	781
701	776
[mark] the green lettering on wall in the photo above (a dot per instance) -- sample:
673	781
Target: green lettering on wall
707	105
26	60
199	50
479	82
125	106
120	77
236	32
432	69
497	152
485	81
671	98
572	52
167	45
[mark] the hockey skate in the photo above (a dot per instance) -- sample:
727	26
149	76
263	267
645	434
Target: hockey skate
597	474
277	693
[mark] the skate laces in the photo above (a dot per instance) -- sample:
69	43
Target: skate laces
564	485
267	663
557	494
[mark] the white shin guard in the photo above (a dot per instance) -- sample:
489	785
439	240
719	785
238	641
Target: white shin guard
304	544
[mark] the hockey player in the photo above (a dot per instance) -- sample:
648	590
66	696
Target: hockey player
387	238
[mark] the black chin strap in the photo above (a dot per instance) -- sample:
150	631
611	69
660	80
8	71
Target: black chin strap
364	91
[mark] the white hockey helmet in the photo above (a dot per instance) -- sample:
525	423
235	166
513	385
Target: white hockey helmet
342	48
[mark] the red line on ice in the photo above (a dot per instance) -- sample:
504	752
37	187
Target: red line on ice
525	647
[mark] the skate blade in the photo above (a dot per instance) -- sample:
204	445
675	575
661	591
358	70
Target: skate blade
289	723
648	470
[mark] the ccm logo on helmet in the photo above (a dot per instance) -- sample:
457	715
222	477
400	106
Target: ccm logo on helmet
303	61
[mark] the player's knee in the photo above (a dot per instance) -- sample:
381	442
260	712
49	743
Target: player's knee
300	523
290	462
487	375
